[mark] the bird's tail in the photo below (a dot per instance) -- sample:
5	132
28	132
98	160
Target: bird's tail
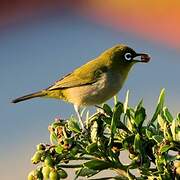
29	96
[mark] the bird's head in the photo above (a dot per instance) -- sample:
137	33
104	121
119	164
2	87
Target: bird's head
122	56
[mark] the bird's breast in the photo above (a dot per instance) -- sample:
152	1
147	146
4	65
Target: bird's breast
106	87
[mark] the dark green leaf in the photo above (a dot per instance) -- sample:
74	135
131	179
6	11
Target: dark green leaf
137	143
121	125
167	115
107	120
149	133
86	172
92	148
107	110
116	117
171	158
98	164
75	150
62	173
165	148
130	113
178	116
159	106
146	163
140	104
140	116
129	139
158	138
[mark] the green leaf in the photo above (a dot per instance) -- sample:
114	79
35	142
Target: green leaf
130	125
94	129
107	110
107	120
59	149
171	158
73	125
159	107
58	123
116	117
178	118
140	116
98	164
87	119
126	101
92	148
167	132
161	122
86	172
130	113
139	105
137	143
53	138
115	100
167	115
165	148
175	130
62	173
149	133
127	141
157	138
74	151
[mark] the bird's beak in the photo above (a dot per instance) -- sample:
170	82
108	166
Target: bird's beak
143	58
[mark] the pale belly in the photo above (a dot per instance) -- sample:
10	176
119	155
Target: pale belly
97	93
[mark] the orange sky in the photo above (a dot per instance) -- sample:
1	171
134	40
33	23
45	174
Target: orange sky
155	20
158	20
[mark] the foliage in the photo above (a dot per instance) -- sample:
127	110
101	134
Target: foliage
153	147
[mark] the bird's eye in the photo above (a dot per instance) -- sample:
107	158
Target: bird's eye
128	56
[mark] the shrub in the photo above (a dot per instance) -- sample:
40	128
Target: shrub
153	147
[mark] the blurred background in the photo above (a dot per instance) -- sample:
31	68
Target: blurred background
42	40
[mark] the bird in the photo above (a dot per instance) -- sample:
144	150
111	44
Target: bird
94	82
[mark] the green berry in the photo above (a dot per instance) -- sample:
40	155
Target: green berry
35	175
48	161
62	174
53	175
45	171
31	175
37	156
40	147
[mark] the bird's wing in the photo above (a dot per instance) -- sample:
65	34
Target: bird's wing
84	75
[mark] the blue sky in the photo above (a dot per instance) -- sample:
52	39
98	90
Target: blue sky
35	54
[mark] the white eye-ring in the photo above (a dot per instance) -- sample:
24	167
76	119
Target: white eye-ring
128	56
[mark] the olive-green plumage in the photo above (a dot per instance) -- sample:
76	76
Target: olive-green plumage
94	82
